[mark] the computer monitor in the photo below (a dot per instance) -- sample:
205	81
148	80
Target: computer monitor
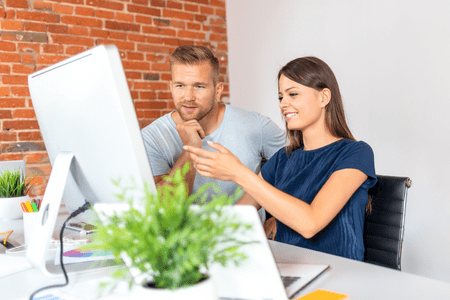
92	136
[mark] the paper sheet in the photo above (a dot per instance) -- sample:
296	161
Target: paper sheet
73	255
323	295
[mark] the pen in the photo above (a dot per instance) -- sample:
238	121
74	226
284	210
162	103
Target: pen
24	207
40	202
28	205
37	203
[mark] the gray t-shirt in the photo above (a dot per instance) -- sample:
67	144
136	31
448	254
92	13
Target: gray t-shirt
248	135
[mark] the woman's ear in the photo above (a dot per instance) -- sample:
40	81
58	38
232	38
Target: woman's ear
325	95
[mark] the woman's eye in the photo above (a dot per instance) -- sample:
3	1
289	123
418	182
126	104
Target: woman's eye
293	94
280	98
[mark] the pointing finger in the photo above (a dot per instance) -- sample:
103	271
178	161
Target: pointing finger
218	147
199	151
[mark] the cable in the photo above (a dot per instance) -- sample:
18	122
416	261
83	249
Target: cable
80	210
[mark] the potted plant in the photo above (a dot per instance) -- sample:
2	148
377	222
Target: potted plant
170	242
14	187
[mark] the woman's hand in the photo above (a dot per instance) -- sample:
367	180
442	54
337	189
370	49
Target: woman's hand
270	228
222	165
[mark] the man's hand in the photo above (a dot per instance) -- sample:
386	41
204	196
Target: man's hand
270	228
191	133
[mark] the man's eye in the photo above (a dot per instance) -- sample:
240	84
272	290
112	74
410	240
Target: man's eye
200	87
179	85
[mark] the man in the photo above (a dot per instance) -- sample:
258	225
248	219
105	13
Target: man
199	117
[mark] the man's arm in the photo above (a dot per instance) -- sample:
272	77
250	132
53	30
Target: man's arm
273	138
189	177
191	134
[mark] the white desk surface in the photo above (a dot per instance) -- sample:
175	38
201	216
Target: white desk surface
357	279
361	280
22	284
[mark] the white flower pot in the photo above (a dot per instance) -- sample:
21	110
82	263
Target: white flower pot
205	290
10	207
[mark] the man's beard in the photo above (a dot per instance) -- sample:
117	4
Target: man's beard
198	116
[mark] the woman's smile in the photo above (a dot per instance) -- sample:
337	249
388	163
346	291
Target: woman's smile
289	115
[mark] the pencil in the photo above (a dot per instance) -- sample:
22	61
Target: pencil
7	236
24	207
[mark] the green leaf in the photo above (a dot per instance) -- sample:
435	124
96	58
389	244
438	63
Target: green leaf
168	240
14	184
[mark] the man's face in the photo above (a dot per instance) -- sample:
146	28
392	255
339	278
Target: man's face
193	90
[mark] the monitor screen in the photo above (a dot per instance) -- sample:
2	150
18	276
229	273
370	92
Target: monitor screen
90	130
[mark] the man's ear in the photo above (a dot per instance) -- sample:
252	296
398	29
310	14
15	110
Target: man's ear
219	90
325	95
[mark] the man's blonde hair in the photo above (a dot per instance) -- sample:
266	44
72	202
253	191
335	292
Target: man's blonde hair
195	55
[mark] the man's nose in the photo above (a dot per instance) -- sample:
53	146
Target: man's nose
189	94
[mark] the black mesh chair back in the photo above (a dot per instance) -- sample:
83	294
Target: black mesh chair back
384	226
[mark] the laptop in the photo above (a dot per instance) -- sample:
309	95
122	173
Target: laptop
259	277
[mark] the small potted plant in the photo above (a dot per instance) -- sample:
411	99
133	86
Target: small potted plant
170	243
14	187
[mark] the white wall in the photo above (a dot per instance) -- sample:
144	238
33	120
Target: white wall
392	61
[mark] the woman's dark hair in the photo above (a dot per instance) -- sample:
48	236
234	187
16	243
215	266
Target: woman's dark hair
315	73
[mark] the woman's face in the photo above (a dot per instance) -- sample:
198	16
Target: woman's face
302	107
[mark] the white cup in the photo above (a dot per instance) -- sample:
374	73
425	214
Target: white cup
29	223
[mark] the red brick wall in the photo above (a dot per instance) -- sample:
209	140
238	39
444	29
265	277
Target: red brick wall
36	34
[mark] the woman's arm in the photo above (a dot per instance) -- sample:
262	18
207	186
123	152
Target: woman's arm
306	219
246	199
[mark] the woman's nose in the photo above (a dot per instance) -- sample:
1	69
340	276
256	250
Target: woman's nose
283	103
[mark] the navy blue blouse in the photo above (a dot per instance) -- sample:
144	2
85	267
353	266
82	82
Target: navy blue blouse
302	175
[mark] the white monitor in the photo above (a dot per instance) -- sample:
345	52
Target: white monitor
92	136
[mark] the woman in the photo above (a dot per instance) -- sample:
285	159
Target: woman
316	188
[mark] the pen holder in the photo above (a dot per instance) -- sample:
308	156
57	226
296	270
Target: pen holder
29	220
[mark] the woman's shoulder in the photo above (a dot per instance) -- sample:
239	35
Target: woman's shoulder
340	148
359	155
355	145
356	152
281	154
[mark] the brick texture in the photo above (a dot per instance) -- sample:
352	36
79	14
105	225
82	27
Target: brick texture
35	34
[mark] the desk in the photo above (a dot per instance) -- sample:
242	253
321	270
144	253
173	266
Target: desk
357	279
22	284
361	280
17	225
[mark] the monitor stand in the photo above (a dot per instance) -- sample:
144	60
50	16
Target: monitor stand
45	223
38	249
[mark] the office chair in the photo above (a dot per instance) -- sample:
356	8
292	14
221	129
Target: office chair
384	226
